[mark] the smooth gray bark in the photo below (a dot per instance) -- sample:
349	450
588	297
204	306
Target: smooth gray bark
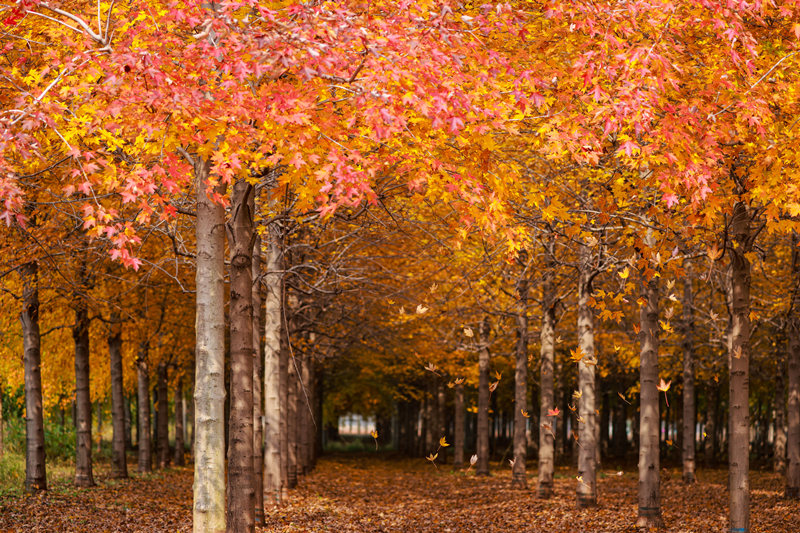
587	455
547	424
518	476
482	447
272	355
689	416
209	391
258	390
649	516
738	360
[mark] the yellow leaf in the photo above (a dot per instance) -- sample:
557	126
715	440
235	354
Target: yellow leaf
443	442
624	273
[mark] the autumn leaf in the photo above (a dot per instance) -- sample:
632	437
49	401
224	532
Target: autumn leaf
468	332
443	443
553	412
664	386
525	413
421	309
624	273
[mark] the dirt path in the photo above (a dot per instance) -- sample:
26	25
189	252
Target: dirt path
368	494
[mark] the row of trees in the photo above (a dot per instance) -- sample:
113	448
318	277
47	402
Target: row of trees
426	155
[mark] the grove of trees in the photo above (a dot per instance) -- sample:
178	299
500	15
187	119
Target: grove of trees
551	231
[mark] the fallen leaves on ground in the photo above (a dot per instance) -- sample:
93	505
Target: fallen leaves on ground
366	494
370	493
161	501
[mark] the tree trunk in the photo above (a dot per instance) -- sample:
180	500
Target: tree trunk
162	444
587	455
258	396
145	458
793	373
482	447
649	465
305	410
291	423
779	459
738	361
283	395
180	446
126	411
241	496
689	419
547	424
209	392
518	476
458	438
83	403
35	467
119	460
272	357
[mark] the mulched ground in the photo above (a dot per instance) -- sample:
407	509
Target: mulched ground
367	493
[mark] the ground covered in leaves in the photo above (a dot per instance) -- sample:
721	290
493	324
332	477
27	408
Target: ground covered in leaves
368	493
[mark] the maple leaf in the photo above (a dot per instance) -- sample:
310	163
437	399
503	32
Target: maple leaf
421	309
468	332
576	355
624	273
553	412
525	413
443	442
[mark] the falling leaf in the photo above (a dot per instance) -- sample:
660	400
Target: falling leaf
637	328
525	413
559	340
670	284
665	387
497	375
714	252
443	443
713	315
669	312
577	394
623	398
553	412
512	462
572	408
665	326
459	381
617	348
430	367
576	355
672	298
468	332
669	442
433	288
421	309
402	310
374	433
624	273
432	457
737	352
473	459
493	386
581	420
